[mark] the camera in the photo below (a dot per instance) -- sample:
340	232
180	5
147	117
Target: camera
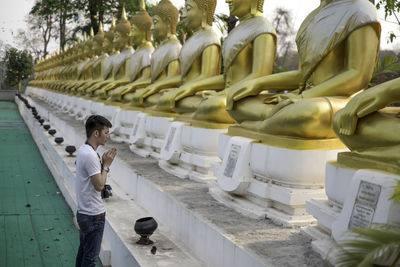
106	192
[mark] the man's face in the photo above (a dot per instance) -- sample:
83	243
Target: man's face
102	136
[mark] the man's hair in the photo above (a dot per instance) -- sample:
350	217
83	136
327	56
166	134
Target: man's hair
96	122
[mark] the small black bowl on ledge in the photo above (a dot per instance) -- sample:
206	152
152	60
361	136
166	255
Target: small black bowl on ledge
58	140
52	132
145	227
70	150
46	127
41	121
38	117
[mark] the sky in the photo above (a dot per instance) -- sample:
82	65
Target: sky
12	15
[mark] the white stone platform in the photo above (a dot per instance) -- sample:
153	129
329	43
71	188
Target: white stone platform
189	216
356	198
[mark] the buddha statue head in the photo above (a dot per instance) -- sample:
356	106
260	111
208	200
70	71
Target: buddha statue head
243	8
165	20
98	40
121	35
198	13
108	45
141	26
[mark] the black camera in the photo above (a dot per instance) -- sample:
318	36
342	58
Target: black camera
106	192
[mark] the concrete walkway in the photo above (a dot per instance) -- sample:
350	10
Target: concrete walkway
36	226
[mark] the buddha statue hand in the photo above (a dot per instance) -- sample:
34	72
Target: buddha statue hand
287	98
358	107
141	94
239	91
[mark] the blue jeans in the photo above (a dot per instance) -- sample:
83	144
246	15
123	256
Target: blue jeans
90	235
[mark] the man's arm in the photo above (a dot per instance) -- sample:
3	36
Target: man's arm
99	179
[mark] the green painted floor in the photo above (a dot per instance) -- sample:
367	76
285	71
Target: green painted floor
36	227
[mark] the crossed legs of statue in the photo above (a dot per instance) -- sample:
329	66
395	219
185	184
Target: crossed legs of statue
308	118
376	135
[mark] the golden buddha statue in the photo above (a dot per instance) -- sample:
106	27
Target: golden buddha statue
138	68
369	128
248	51
71	71
165	69
123	44
107	63
338	44
199	58
88	58
92	71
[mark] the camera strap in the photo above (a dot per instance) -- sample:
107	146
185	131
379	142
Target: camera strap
101	163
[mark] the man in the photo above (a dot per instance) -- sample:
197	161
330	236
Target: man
91	176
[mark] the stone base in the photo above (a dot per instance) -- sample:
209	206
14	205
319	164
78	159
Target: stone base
356	198
190	152
123	128
285	178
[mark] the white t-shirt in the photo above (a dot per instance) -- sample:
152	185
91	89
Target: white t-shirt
87	165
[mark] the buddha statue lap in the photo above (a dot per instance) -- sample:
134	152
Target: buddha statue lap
164	68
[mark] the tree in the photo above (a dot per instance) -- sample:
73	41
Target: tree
37	36
59	10
392	8
283	23
18	64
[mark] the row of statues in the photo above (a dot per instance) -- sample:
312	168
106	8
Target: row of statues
326	97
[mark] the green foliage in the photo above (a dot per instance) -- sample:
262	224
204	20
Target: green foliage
396	193
377	245
389	64
392	8
19	66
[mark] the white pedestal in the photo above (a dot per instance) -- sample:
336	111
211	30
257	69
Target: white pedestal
124	120
110	113
138	135
190	152
277	178
83	109
356	198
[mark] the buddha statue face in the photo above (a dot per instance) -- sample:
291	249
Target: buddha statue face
108	45
160	28
97	47
192	15
241	8
137	36
198	13
165	20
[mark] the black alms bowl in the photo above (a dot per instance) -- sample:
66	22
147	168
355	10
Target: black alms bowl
70	149
52	132
145	227
46	127
59	140
41	121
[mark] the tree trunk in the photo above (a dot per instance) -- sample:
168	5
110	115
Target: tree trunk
62	28
93	9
